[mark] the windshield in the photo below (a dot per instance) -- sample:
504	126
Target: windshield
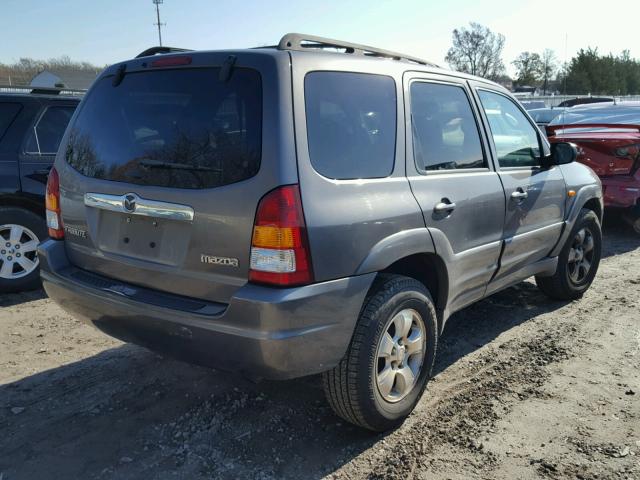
180	128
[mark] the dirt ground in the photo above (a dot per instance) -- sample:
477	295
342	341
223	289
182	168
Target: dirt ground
524	388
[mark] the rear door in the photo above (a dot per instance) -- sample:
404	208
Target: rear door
535	196
41	145
163	169
454	181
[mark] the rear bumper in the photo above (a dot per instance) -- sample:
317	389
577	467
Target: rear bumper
621	191
262	332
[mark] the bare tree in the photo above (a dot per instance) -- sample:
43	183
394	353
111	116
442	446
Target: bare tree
477	51
548	68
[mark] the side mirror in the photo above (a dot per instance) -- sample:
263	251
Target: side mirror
563	153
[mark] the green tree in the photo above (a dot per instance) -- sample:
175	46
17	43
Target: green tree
529	68
477	50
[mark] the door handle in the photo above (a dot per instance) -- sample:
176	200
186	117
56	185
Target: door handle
519	194
444	207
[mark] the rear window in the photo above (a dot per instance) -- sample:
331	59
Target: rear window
351	124
180	128
8	112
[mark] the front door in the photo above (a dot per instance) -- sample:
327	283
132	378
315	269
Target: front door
535	196
454	182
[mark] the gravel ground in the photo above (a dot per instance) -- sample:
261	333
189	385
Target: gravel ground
524	388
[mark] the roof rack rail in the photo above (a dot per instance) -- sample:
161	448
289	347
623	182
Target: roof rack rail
155	50
303	42
41	90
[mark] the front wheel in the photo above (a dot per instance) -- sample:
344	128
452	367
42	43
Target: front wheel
389	361
578	261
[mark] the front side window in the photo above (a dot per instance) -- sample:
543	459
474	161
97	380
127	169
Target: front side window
445	132
515	139
47	133
182	128
351	124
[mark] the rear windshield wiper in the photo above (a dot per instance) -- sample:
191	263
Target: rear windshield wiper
176	166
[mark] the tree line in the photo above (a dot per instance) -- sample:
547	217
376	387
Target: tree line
478	51
22	71
475	49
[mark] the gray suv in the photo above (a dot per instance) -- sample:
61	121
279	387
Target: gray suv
312	207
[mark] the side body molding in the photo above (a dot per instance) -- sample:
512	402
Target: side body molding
395	247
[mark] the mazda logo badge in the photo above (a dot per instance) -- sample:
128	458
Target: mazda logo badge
129	202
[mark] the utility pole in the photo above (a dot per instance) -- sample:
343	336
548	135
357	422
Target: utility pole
157	3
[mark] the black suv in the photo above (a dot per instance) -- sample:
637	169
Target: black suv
32	124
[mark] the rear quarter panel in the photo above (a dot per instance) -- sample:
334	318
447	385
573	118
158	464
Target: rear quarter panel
348	219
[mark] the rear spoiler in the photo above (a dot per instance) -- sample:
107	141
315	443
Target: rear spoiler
553	129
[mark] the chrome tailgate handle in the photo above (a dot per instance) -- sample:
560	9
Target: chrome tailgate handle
132	204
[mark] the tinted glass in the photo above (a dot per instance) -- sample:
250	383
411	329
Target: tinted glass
49	130
351	124
516	140
8	112
180	128
445	133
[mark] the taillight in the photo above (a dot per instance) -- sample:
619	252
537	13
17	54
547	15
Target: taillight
52	204
630	152
280	247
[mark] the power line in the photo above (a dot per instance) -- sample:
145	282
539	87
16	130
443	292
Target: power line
157	3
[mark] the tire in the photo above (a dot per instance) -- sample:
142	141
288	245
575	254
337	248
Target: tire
352	388
566	284
19	253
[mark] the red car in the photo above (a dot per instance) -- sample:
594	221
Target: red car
608	141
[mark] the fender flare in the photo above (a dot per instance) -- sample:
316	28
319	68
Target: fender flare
396	247
585	194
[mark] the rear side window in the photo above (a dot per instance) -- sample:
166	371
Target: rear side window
445	132
351	124
48	131
180	128
8	112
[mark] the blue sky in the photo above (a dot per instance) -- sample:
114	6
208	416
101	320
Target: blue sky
106	31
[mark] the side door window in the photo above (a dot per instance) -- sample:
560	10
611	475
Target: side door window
515	138
8	112
445	132
46	135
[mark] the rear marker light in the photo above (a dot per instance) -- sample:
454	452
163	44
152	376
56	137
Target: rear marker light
52	205
280	248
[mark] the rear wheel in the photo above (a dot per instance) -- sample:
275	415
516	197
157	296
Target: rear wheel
578	261
389	362
20	233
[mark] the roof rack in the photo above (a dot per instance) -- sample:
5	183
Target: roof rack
303	42
41	90
155	50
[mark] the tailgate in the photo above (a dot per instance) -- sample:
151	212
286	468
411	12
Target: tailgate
163	172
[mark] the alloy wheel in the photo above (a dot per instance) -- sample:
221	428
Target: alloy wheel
581	256
18	255
400	355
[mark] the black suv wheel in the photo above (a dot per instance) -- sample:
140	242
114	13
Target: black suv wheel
389	362
20	233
